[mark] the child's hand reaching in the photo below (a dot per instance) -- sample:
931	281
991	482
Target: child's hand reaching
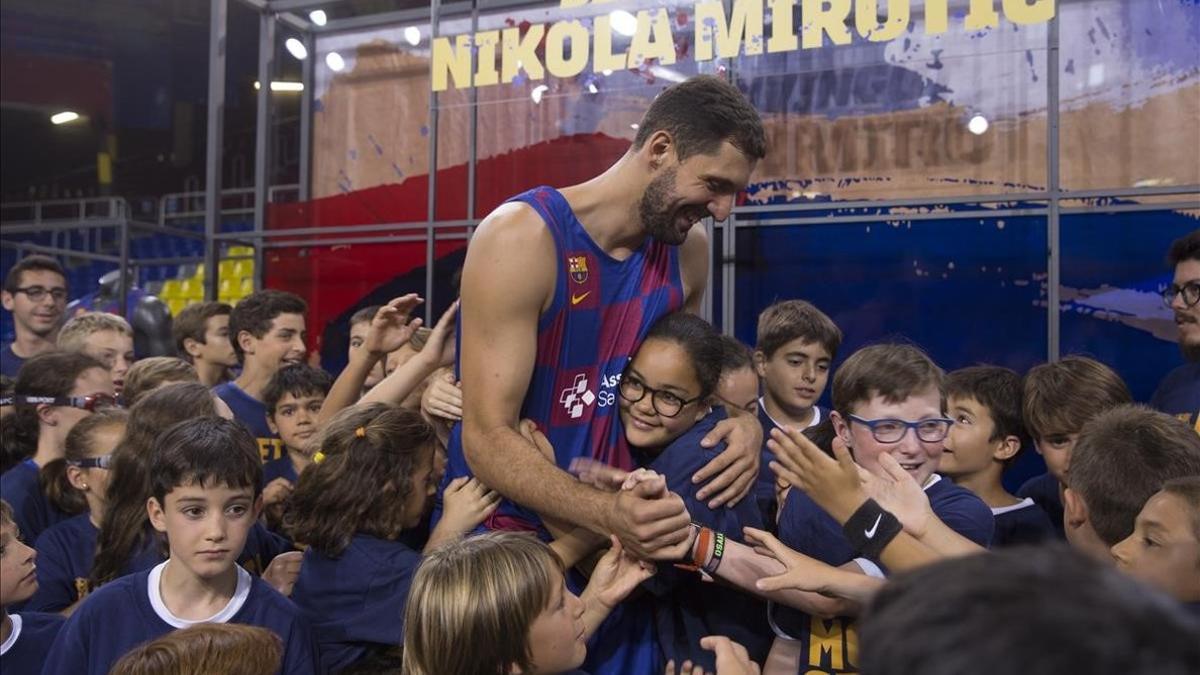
732	659
277	491
465	504
283	571
898	493
390	328
803	573
615	576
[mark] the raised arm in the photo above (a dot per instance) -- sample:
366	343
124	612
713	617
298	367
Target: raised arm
508	280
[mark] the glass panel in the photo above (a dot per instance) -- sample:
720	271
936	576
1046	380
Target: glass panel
1113	268
957	113
1130	85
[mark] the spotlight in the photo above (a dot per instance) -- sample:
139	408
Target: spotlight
64	117
978	125
623	22
412	35
296	48
317	16
537	92
335	62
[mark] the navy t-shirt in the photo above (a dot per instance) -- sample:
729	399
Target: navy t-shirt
686	608
355	602
33	512
1043	490
1178	394
252	413
280	468
764	487
65	555
831	646
25	650
129	611
1023	523
10	363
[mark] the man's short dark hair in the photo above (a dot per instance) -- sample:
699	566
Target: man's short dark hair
1184	248
365	315
299	380
32	263
1122	458
192	323
205	451
1032	610
700	114
998	390
256	311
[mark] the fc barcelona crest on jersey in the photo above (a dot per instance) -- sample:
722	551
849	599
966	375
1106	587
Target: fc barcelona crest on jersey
578	267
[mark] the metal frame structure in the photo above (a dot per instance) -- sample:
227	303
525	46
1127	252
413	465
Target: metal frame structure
1047	203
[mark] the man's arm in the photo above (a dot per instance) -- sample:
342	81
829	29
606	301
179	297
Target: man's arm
730	476
508	280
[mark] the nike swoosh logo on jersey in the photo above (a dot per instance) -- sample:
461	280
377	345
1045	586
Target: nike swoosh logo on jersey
576	299
871	532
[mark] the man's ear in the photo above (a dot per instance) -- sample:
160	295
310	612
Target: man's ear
157	517
659	148
1075	510
1008	448
760	363
6	299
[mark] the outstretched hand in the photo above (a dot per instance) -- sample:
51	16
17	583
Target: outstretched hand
616	575
834	483
390	328
898	493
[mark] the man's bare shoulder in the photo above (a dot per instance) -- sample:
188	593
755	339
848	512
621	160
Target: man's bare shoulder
512	251
512	223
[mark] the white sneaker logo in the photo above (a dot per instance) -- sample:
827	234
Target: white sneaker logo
871	532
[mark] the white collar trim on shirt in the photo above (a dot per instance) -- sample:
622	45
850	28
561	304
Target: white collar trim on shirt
240	593
12	637
1023	504
934	479
816	419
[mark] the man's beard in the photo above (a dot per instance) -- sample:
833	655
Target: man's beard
1191	351
658	218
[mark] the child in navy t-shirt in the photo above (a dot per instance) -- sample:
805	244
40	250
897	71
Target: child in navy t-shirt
665	412
206	497
374	480
293	402
25	637
987	436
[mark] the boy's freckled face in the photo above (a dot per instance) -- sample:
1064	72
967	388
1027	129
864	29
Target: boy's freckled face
295	419
919	458
968	446
18	580
1163	550
207	526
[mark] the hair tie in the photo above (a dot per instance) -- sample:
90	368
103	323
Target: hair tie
319	457
360	432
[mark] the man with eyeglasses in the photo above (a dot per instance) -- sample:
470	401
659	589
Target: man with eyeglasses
35	291
1179	392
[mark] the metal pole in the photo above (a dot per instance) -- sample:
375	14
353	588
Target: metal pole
123	279
474	130
216	115
435	7
262	132
306	106
729	276
1054	273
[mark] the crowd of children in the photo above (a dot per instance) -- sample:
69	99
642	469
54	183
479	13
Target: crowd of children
236	510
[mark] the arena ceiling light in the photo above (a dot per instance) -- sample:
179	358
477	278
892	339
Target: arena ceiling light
335	62
623	22
978	124
537	92
412	35
64	117
280	85
318	17
296	48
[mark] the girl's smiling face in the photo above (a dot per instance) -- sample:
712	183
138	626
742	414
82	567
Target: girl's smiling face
660	370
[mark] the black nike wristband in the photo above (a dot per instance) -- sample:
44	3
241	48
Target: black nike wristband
870	529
